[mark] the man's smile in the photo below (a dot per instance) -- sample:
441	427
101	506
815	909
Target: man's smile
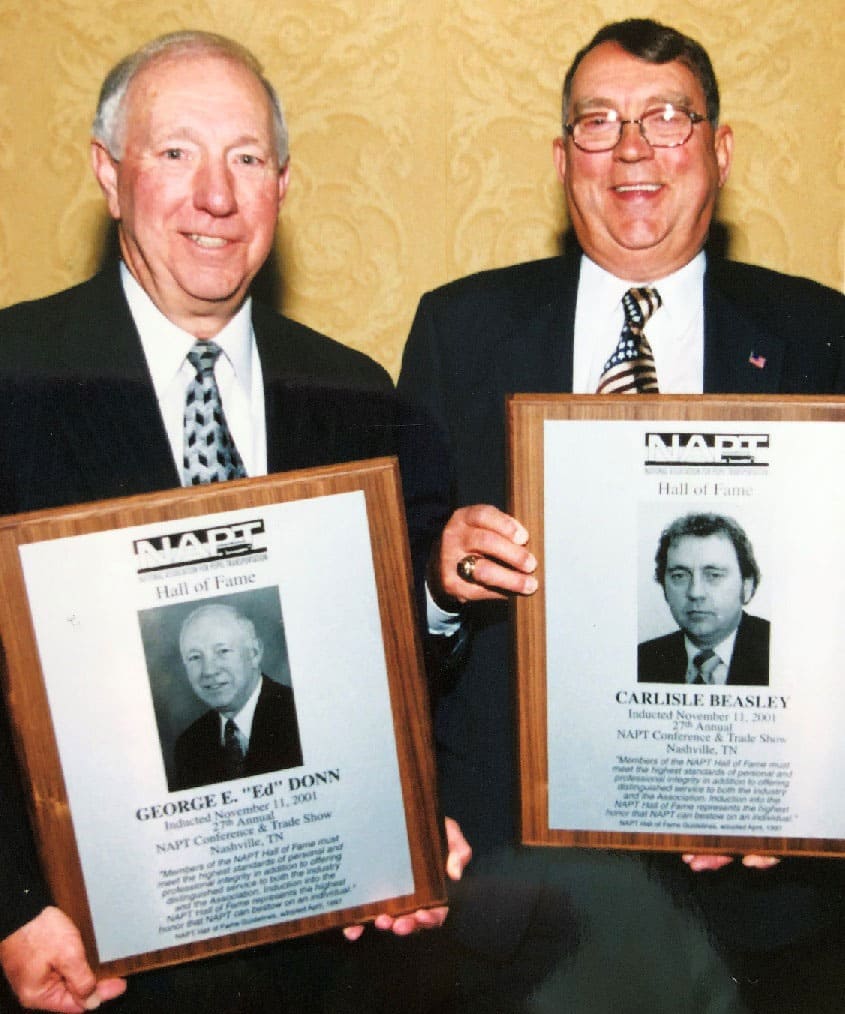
208	242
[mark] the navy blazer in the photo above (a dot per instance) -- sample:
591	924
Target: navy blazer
480	338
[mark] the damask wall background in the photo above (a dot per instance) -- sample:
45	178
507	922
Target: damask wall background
421	138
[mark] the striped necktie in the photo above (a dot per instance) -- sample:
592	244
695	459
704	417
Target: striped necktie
630	370
704	664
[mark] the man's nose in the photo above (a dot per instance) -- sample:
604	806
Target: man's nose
695	588
214	188
209	665
632	146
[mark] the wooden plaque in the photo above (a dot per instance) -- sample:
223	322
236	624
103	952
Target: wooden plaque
156	866
617	747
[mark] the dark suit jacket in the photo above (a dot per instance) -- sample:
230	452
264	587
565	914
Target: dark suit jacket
79	421
664	659
273	743
481	338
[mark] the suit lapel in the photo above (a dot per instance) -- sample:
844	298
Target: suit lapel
739	356
125	446
99	433
540	359
263	752
311	418
277	396
564	320
750	661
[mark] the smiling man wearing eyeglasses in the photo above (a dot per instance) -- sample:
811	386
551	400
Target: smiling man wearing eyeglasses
634	304
641	159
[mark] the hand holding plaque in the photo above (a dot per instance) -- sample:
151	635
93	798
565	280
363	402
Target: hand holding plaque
210	607
495	543
46	966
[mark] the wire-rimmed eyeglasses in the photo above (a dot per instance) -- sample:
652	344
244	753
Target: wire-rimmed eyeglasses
664	126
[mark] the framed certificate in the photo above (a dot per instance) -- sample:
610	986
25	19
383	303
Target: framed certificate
134	628
680	681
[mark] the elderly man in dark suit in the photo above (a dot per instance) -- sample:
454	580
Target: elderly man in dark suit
162	371
706	567
634	304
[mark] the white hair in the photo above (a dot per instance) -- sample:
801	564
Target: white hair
109	125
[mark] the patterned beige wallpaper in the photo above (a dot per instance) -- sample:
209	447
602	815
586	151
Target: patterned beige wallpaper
421	138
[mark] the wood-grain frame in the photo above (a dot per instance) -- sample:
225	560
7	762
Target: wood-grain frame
526	417
27	700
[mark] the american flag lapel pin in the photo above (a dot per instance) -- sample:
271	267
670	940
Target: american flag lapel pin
758	361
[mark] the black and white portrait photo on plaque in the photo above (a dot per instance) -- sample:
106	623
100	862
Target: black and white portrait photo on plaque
221	686
703	563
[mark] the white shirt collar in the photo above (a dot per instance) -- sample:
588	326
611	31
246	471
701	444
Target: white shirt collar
724	649
678	291
166	345
681	292
675	332
244	718
238	372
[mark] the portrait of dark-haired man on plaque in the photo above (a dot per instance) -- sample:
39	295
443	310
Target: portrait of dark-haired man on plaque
706	568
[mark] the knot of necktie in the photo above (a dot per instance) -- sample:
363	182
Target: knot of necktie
639	305
705	663
203	355
630	369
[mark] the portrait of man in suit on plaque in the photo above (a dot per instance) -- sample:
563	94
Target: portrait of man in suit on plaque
706	568
220	678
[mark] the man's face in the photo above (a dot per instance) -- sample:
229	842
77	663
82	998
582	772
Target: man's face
222	660
704	587
641	212
198	187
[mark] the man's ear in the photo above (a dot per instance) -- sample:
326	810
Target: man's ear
748	589
559	156
257	650
105	169
284	180
723	143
